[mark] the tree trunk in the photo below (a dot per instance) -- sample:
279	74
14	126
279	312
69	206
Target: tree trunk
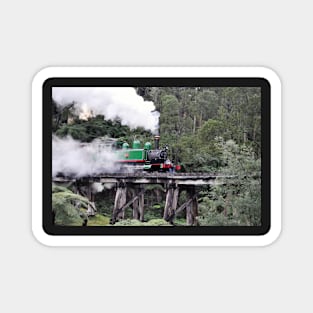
192	208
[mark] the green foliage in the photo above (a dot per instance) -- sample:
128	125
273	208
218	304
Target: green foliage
128	222
210	130
154	212
180	222
238	201
157	222
153	222
98	220
67	207
94	127
192	117
217	219
105	203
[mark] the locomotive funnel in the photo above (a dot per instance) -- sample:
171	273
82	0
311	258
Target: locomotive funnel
156	142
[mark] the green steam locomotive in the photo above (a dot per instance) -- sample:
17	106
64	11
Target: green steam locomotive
145	158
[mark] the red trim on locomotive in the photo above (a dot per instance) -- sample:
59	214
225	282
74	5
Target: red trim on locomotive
167	165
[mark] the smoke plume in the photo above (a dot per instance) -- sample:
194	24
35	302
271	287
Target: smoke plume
112	102
99	187
72	158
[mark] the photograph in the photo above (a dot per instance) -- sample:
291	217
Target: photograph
156	156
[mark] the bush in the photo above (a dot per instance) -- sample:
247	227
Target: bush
98	220
68	208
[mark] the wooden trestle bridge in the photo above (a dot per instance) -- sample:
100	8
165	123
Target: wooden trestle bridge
135	182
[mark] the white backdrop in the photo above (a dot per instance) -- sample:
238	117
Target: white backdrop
35	34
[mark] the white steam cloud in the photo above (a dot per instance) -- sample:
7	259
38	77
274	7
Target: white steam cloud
112	102
99	187
72	158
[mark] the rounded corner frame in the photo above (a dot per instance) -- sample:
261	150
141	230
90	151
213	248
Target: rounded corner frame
86	240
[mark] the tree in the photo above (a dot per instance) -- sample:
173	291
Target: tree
239	198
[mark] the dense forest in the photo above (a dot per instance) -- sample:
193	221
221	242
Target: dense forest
213	130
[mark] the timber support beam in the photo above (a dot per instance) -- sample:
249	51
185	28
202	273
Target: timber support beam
120	201
120	204
171	201
191	206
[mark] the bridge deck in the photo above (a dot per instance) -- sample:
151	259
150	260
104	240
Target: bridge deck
151	178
